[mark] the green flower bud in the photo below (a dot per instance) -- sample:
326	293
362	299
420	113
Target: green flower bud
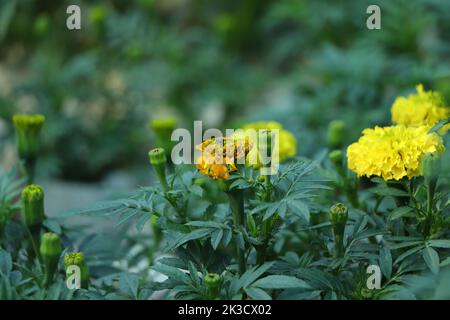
50	251
336	157
430	165
163	129
158	160
33	206
77	259
163	125
338	217
28	128
336	133
338	214
50	245
157	157
212	282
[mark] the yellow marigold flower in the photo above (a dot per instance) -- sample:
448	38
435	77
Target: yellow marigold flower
287	143
392	152
425	108
220	156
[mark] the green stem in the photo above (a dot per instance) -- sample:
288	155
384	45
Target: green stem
268	187
237	208
34	234
30	168
338	240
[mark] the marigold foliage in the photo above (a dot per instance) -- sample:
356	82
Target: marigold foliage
392	152
424	108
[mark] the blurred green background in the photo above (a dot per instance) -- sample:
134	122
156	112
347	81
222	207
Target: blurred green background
303	63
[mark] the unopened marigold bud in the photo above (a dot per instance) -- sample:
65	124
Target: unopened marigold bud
336	157
157	156
336	133
164	124
338	214
162	129
158	160
50	251
338	217
77	259
28	128
33	205
212	283
430	165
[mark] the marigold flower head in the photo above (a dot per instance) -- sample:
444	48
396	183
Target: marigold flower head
425	108
220	156
392	152
287	147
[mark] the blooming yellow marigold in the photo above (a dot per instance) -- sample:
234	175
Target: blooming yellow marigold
220	156
287	143
424	108
392	152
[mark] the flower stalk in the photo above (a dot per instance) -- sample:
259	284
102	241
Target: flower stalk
236	198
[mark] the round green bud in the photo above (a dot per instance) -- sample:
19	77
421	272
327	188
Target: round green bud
163	124
74	259
336	133
77	259
157	156
28	128
212	280
50	245
430	165
338	214
33	205
336	157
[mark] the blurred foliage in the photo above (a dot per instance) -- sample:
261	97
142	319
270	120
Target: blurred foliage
300	62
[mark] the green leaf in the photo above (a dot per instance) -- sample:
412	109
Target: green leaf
431	258
129	284
193	273
5	262
386	261
250	276
172	272
216	237
386	191
271	211
300	209
440	243
407	253
400	212
280	282
439	125
257	294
